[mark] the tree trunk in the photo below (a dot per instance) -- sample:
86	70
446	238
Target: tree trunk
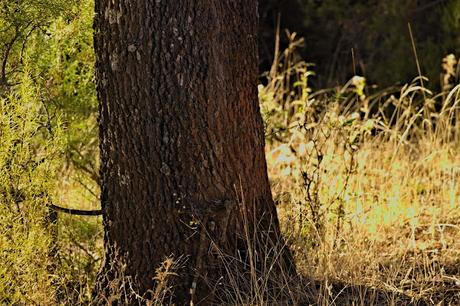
183	168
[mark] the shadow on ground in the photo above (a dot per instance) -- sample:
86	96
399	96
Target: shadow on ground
343	294
443	291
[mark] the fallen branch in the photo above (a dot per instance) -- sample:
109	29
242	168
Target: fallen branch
76	212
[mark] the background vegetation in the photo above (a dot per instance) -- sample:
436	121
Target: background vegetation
366	178
376	31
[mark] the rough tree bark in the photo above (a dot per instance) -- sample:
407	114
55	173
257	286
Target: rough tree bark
182	145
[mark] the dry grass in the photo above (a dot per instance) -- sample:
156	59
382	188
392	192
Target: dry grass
367	188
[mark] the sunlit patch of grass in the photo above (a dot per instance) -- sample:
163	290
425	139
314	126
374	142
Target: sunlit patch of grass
368	188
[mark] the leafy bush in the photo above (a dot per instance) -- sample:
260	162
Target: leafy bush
47	128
